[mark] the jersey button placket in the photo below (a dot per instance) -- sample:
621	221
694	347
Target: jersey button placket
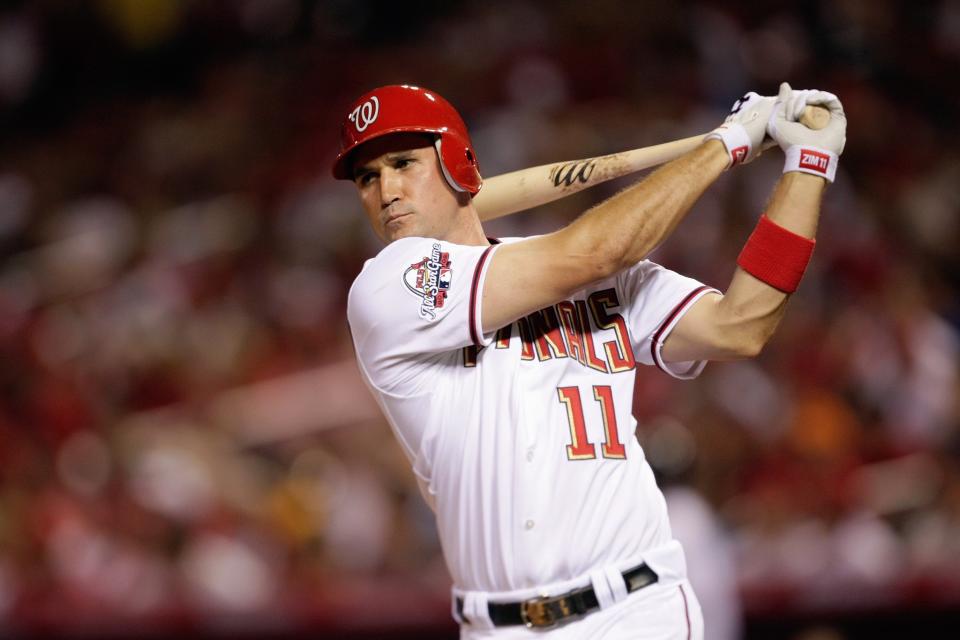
528	512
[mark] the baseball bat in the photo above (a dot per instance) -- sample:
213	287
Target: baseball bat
527	188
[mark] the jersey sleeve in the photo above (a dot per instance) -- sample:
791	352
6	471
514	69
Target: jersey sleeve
657	299
417	298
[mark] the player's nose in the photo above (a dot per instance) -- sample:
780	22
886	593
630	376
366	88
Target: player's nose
390	187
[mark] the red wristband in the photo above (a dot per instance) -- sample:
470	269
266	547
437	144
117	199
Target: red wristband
776	255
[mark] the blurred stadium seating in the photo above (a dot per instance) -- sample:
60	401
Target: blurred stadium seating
185	445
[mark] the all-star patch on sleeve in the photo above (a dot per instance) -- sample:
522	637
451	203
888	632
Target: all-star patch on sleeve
416	298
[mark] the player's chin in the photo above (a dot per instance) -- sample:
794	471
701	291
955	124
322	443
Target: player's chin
396	231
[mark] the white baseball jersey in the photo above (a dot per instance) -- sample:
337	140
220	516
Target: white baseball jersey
522	439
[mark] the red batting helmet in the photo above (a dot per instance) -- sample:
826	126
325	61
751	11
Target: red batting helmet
405	108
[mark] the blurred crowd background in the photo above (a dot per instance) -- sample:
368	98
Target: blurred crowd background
185	444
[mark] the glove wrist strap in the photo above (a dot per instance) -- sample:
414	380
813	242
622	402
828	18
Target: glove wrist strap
735	139
812	160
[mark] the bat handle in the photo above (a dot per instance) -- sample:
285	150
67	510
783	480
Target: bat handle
815	116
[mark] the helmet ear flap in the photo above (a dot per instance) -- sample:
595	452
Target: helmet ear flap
444	162
458	163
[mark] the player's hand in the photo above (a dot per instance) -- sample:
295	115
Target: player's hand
814	151
742	133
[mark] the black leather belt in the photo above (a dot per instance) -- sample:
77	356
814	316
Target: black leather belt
549	611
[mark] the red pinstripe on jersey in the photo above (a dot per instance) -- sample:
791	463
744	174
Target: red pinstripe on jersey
477	339
666	323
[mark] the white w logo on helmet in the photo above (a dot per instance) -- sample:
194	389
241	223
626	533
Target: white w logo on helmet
365	114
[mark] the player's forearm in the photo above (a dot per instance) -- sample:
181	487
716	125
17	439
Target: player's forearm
795	204
624	229
750	308
739	323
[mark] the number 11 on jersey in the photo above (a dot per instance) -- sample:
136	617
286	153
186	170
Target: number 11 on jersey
580	448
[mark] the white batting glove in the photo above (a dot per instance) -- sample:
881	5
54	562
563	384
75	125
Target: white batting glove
814	151
743	131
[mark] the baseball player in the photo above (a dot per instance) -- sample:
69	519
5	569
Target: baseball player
506	367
